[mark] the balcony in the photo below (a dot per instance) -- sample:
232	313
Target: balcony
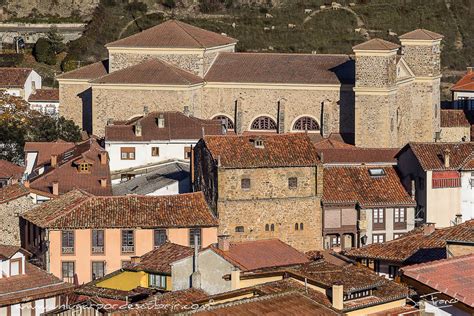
97	249
67	250
128	249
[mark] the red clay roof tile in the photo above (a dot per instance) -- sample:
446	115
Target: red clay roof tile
421	34
174	34
88	72
9	170
430	155
45	95
14	77
279	150
46	149
454	118
12	192
466	83
376	44
80	210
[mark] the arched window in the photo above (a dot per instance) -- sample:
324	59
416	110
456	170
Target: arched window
228	122
301	226
272	227
296	226
264	123
306	123
267	227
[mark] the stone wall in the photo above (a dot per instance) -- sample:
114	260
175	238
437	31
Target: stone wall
455	134
376	71
63	8
124	103
191	62
257	102
269	201
10	228
424	60
76	103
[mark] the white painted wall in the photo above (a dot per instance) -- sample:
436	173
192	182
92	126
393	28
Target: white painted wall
13	92
443	311
463	94
47	108
33	77
467	195
168	151
5	265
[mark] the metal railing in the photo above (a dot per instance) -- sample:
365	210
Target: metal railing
126	249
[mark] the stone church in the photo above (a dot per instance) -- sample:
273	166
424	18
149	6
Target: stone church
383	95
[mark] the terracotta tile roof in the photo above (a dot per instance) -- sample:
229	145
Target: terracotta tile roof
353	278
90	290
167	303
177	126
280	150
9	170
12	192
32	285
6	251
14	77
153	72
45	95
80	210
421	34
46	149
286	303
259	254
352	185
453	277
281	68
353	155
416	247
466	83
69	178
174	34
89	72
159	260
376	44
430	155
454	118
333	142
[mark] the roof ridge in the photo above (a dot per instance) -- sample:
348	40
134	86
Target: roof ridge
71	209
179	24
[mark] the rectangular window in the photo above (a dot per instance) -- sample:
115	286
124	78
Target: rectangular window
127	153
157	281
67	242
97	241
378	218
446	179
68	271
155	151
159	237
397	235
15	267
245	184
378	238
194	232
292	183
128	242
98	269
393	271
400	218
187	152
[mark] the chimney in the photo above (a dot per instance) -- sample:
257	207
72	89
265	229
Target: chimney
428	229
26	183
186	111
135	259
103	182
446	153
196	276
338	296
235	279
138	129
103	157
145	110
223	242
470	70
54	161
160	121
458	219
55	188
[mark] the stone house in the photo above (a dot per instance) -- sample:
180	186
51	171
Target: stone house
383	90
79	236
441	176
262	186
45	101
456	125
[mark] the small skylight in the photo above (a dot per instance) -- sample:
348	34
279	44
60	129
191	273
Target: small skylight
376	172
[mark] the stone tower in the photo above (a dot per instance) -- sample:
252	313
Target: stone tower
421	51
376	93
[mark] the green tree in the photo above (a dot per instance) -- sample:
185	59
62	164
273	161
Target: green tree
19	124
44	52
56	40
171	4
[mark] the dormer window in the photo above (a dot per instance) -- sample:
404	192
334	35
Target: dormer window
84	167
258	143
376	172
16	266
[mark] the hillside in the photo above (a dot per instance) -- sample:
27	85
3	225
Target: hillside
289	26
